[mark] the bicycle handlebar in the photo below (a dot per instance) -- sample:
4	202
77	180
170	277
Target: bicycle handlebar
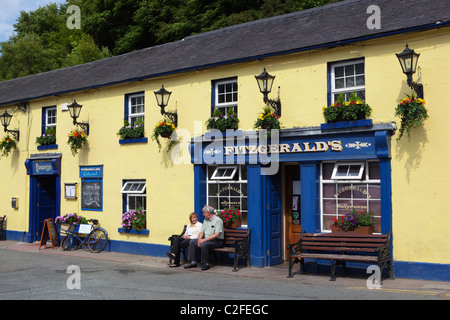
94	221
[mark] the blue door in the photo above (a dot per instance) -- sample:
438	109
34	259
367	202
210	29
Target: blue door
273	206
46	202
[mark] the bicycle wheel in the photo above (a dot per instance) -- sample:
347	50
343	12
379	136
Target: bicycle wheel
66	243
97	240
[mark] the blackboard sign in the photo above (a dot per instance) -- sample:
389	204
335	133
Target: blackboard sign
91	194
49	230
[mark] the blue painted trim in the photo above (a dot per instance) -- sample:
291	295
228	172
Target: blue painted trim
138	140
309	207
47	147
132	231
199	190
256	220
422	270
346	124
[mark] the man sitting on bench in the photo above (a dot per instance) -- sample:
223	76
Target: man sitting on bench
210	237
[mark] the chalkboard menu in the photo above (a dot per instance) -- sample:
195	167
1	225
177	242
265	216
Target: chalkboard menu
91	194
49	230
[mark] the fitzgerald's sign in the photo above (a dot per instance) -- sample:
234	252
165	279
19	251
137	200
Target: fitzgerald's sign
320	146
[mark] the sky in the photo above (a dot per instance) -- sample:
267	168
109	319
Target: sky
10	11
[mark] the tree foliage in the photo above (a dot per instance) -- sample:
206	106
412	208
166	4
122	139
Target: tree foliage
42	41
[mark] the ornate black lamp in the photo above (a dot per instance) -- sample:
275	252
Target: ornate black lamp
408	61
265	82
162	98
5	119
74	110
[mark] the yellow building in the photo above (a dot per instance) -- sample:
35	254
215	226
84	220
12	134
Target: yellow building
301	179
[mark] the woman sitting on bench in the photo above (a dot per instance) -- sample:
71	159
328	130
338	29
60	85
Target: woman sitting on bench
182	241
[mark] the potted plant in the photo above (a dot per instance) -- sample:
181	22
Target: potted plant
223	122
131	132
359	222
70	220
76	140
135	220
48	138
231	217
164	128
7	145
267	120
412	113
341	110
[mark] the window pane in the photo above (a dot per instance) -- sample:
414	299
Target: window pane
359	68
350	82
360	81
339	83
339	72
329	190
349	70
374	170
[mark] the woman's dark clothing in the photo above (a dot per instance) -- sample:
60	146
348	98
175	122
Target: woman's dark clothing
177	244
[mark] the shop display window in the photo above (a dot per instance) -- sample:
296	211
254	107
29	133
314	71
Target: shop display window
347	185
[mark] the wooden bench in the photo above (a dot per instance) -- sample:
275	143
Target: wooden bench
340	247
236	241
183	250
3	228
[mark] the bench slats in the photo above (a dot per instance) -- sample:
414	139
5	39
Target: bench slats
336	257
341	247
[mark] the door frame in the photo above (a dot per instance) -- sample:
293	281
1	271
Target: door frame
33	223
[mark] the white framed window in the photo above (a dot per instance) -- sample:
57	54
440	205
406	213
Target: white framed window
135	196
224	173
361	191
226	95
228	190
347	78
50	117
136	108
351	170
137	187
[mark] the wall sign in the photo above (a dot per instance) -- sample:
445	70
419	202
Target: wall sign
91	188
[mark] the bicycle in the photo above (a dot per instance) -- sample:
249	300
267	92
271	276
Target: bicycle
95	241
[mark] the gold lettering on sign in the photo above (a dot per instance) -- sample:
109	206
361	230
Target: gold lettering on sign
295	147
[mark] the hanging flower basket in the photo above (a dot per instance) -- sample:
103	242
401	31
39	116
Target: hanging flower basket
267	120
412	113
164	129
7	145
77	139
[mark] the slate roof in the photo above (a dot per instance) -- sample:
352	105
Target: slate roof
327	26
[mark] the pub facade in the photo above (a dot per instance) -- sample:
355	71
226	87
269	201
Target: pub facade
296	179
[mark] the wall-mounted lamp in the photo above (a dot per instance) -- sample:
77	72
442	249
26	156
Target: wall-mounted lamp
408	61
162	98
265	82
5	119
74	110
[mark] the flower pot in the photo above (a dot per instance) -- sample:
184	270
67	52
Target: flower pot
360	230
165	134
234	224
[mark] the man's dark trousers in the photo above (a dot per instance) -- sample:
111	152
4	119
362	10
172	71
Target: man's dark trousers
204	250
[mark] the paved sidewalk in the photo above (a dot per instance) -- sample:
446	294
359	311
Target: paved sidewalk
279	273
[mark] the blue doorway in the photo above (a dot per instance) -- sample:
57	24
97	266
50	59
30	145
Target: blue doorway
45	192
274	223
46	202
